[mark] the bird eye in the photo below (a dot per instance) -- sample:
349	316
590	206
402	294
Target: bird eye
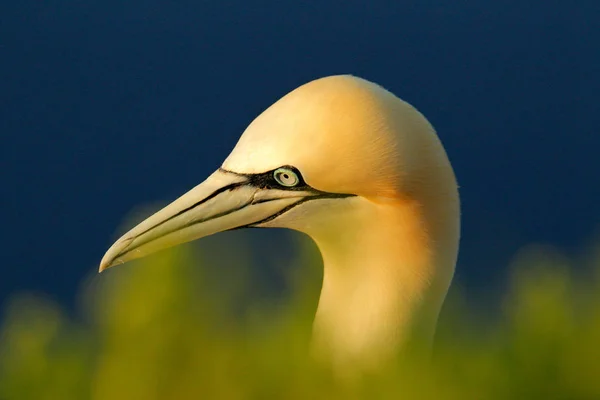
286	177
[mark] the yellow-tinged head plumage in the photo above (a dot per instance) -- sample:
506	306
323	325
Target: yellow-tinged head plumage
345	134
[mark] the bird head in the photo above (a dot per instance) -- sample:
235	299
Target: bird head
305	162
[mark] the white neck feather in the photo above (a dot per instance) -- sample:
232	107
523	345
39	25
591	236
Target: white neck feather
384	282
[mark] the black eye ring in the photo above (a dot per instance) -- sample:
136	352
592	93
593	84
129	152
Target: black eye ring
286	177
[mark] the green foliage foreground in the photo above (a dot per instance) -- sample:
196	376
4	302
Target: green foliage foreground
165	328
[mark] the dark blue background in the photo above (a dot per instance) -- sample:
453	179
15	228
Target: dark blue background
106	105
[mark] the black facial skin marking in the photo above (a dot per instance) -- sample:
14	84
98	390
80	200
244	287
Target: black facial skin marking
264	181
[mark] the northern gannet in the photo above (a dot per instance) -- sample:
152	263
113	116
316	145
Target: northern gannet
364	174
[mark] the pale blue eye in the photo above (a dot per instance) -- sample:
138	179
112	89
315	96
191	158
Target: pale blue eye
286	177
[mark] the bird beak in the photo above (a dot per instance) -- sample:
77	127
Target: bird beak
222	202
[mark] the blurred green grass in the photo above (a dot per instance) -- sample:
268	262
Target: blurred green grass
167	328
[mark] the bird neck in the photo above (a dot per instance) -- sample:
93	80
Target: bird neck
384	281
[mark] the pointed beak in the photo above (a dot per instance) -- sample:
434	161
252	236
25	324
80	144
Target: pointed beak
224	201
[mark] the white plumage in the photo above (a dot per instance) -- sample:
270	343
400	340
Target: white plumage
361	172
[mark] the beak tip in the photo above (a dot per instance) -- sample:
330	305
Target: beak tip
112	256
105	264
